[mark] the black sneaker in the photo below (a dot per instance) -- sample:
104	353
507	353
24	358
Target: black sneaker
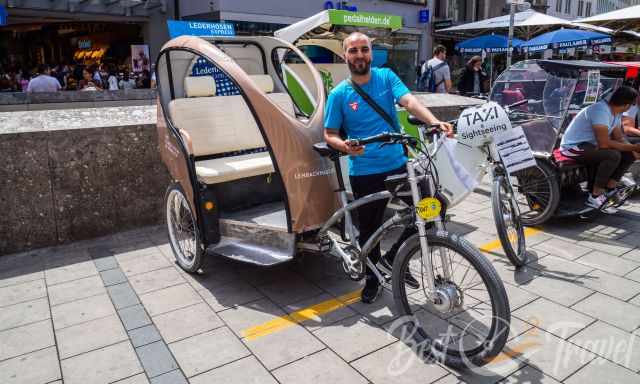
408	277
372	290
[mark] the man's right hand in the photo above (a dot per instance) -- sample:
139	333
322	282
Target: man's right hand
354	150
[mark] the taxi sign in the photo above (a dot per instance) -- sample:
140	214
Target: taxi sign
479	125
429	208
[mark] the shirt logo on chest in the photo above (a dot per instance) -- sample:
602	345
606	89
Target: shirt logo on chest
354	106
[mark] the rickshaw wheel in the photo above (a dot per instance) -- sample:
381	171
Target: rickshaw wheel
183	230
537	193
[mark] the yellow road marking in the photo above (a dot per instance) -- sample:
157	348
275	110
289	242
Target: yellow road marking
315	311
493	245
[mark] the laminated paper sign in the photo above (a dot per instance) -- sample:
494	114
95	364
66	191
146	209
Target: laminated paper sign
514	150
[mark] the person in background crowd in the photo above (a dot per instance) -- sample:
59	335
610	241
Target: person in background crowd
112	80
44	82
24	80
144	80
88	82
441	71
97	79
473	80
127	82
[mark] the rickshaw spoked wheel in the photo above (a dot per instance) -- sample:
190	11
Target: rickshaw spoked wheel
537	192
183	230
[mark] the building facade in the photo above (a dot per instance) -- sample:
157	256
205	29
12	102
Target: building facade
575	9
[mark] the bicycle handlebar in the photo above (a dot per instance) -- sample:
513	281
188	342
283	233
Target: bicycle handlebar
387	137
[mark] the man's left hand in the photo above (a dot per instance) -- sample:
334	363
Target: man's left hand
446	128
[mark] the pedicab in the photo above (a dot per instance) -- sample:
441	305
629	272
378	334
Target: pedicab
553	92
253	181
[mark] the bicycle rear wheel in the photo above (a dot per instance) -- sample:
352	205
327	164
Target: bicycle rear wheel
508	224
468	325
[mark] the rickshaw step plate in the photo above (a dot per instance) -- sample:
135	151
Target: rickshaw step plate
272	215
251	252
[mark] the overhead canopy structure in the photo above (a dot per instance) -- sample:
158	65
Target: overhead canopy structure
336	24
625	18
565	38
488	43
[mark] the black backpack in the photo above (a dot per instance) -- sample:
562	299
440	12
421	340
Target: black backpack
427	82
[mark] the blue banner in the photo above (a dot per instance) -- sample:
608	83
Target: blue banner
3	15
199	28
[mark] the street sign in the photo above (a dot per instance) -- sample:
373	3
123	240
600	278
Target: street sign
3	15
199	28
423	16
440	24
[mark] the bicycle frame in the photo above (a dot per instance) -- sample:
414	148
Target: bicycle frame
405	218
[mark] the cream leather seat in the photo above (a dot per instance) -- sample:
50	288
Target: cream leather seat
223	124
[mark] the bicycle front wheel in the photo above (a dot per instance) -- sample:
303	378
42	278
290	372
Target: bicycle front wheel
465	323
508	224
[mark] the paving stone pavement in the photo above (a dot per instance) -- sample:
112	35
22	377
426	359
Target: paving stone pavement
118	310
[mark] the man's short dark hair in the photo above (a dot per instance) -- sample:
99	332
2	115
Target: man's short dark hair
42	68
624	96
439	49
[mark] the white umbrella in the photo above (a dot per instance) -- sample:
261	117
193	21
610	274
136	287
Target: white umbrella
625	18
525	19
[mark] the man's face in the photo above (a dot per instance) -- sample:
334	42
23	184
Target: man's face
358	55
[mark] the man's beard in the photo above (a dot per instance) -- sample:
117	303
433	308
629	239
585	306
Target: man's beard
360	70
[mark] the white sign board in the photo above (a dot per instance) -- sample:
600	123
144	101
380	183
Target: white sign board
514	150
478	125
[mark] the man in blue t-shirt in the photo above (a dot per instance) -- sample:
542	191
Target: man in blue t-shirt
595	138
370	166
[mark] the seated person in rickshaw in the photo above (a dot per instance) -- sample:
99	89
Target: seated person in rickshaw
346	110
595	138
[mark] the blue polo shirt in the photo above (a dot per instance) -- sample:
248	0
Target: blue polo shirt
345	108
580	130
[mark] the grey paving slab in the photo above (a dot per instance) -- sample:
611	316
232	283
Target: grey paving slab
79	311
635	301
601	371
75	290
106	263
322	320
34	368
145	335
186	322
555	357
173	377
561	248
554	318
142	264
69	272
230	295
216	275
113	277
398	364
517	296
290	290
91	335
134	250
99	252
352	338
123	295
611	310
102	366
249	315
380	312
558	290
243	371
155	280
633	255
209	350
611	343
557	267
134	317
24	313
324	367
22	292
137	379
608	263
25	339
634	275
170	299
156	359
531	375
618	287
20	274
612	247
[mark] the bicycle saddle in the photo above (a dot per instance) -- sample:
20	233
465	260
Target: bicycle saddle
414	120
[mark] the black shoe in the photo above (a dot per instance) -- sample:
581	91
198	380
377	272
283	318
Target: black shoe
408	277
372	290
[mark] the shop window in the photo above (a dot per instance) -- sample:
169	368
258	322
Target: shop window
559	6
580	7
587	11
567	8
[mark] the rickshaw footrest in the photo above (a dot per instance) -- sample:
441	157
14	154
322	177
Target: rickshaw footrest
250	252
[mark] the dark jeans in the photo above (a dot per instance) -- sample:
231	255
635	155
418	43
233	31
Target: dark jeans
607	164
371	216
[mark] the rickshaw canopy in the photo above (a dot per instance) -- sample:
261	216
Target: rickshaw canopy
573	68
